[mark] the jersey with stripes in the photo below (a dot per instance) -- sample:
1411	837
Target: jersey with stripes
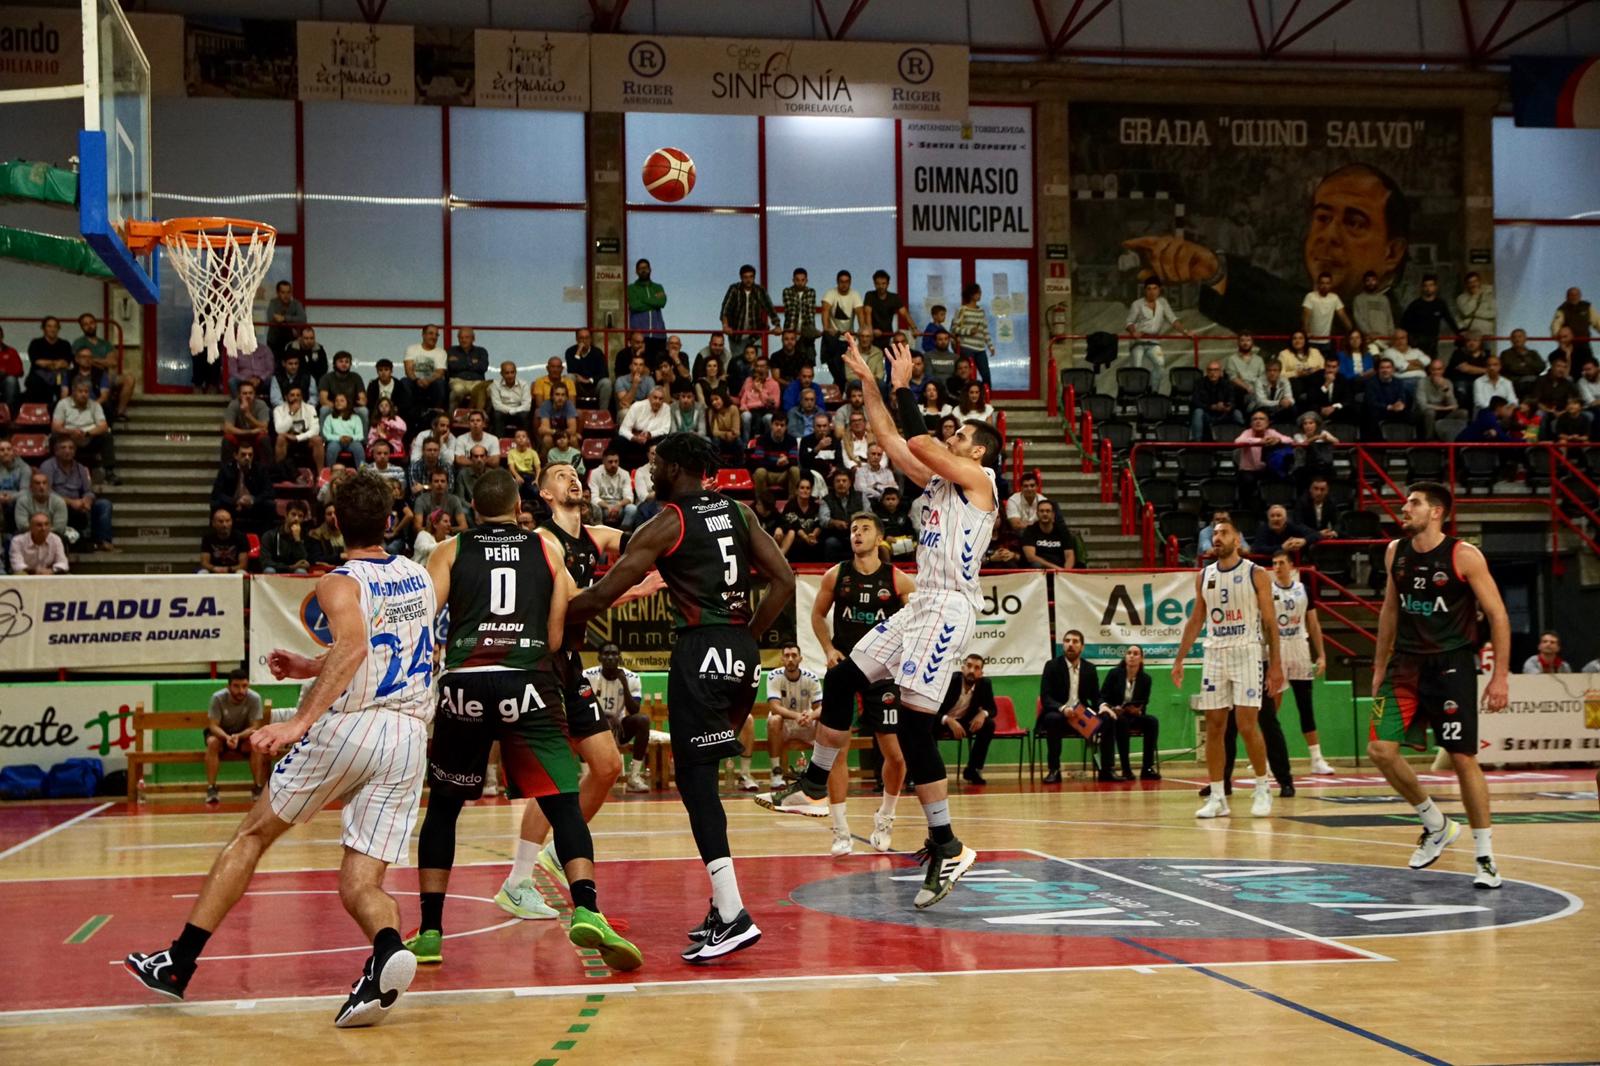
398	603
1233	614
1290	603
955	536
796	694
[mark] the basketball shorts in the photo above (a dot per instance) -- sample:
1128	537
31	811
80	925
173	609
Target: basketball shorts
1417	690
375	761
920	646
1231	677
880	711
522	709
711	687
1297	664
583	712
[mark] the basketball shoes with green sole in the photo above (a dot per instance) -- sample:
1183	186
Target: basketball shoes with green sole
547	859
590	929
427	945
523	900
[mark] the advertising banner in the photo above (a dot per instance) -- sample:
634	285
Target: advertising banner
284	613
40	46
373	64
1114	610
532	69
969	185
47	724
51	622
739	76
1551	718
1238	209
244	58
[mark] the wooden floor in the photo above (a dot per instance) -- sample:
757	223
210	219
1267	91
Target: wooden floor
1101	926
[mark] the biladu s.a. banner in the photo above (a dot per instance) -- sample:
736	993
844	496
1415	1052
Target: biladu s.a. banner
1115	610
284	613
532	69
69	622
1550	718
740	76
968	184
374	64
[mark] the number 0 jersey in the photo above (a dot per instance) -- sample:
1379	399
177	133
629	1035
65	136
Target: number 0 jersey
1233	613
500	588
708	571
955	535
397	673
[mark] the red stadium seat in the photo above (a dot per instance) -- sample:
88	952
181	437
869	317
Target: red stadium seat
832	396
31	446
458	420
33	414
1005	728
255	545
735	481
594	450
596	424
5	415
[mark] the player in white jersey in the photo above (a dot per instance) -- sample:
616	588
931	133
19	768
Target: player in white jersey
921	646
794	702
1305	656
619	693
1233	599
360	736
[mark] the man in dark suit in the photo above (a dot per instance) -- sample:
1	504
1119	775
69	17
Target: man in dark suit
1070	682
1316	509
969	711
1125	698
1332	397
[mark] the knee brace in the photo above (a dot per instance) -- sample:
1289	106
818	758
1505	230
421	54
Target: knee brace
436	844
840	687
924	764
571	834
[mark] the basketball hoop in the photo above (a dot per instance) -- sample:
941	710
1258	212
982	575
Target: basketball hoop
221	262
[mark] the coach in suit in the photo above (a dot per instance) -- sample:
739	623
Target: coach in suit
1125	697
1069	682
968	711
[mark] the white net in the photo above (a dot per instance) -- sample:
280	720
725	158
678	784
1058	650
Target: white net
222	270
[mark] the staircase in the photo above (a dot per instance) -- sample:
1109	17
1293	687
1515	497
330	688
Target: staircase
167	455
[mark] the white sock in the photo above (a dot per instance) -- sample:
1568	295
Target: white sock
1316	753
522	865
744	764
724	889
886	807
1432	816
1481	842
840	822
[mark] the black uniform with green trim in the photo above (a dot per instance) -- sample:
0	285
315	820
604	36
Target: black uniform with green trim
582	557
499	681
1432	675
716	664
861	601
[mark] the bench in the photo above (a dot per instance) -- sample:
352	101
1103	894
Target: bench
152	721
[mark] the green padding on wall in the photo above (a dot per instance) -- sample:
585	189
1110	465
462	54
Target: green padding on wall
179	696
67	254
39	183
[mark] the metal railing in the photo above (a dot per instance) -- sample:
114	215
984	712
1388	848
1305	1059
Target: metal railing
119	345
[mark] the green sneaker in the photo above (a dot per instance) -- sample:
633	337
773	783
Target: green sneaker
547	859
522	900
427	945
946	863
591	930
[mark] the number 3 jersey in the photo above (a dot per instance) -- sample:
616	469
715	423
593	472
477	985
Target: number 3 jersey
1233	613
396	674
500	588
708	571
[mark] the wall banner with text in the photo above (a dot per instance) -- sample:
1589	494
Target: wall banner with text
1114	610
969	185
47	724
1551	718
284	613
532	69
374	64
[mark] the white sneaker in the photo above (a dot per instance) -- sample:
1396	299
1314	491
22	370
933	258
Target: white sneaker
1488	875
1215	806
882	832
1321	767
1431	845
636	782
1261	802
843	843
523	900
547	859
775	782
748	784
793	800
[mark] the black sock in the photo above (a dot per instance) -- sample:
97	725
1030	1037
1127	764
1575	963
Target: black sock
815	779
387	941
584	895
190	943
432	911
941	834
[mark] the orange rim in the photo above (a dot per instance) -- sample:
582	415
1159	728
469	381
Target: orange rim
193	231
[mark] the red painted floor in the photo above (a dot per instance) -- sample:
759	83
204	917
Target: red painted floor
290	937
24	820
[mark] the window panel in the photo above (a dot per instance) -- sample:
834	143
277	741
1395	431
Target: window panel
695	257
1540	173
502	154
1534	267
224	157
520	268
723	147
806	199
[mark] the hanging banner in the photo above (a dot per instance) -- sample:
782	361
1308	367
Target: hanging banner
356	61
244	58
1114	610
40	46
47	623
969	185
1551	718
47	724
532	69
284	613
738	76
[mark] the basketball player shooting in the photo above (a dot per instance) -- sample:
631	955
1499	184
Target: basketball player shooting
921	646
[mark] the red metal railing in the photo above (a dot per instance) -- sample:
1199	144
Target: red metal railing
1086	442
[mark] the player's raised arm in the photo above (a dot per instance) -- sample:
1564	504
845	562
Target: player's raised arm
439	564
340	597
1471	565
1388	619
648	543
881	422
562	592
771	564
609	540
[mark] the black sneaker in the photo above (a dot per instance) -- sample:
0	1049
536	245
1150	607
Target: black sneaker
946	863
1286	791
698	933
724	938
381	984
973	777
159	973
1052	778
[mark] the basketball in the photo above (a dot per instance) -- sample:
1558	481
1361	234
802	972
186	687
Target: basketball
669	174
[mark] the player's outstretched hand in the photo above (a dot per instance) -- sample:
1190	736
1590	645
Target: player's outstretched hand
284	664
277	737
899	365
1496	694
853	359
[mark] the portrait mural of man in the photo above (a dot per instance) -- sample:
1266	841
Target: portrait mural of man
1238	210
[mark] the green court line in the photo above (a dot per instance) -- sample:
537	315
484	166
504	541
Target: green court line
594	999
587	1012
88	929
563	1045
578	1028
546	1062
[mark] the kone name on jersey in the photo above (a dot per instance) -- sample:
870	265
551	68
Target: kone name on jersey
719	523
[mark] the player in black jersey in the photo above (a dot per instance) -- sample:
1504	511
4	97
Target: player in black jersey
582	549
507	594
705	545
858	594
1425	669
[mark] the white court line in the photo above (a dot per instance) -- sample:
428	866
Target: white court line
1269	923
53	830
